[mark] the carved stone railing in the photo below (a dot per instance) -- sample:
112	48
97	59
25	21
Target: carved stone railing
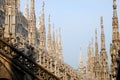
24	62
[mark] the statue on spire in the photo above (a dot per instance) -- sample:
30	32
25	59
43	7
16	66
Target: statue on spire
102	35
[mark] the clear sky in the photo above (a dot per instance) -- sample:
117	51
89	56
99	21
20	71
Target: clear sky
78	20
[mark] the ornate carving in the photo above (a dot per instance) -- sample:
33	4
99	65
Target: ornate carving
26	63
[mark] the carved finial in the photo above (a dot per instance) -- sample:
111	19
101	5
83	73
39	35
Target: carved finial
102	25
32	11
42	17
114	4
26	13
43	4
101	18
114	8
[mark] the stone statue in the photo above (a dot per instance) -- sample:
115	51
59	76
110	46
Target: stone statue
30	52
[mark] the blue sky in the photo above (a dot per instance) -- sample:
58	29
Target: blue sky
78	20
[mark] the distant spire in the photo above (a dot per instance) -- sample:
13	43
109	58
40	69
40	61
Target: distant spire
92	47
87	56
32	11
53	34
39	30
81	65
26	13
103	54
60	40
87	59
114	8
42	29
60	45
81	59
49	21
96	43
42	17
49	36
43	4
115	28
53	42
102	35
57	47
57	43
32	25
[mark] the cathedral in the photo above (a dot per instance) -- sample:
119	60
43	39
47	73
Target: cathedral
20	29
